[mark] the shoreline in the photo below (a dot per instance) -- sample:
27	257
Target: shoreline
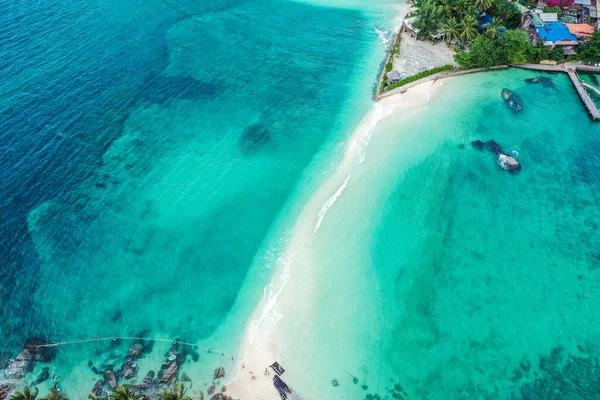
265	341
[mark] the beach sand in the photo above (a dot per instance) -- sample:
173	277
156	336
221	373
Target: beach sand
267	338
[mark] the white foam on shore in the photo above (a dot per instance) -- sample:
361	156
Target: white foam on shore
383	36
330	202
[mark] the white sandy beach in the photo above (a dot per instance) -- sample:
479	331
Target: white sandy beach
294	280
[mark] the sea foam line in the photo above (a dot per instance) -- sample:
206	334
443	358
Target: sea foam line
330	202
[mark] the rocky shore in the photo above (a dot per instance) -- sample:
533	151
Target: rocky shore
17	371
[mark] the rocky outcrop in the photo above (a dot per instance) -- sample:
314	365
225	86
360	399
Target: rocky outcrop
219	373
147	380
110	378
23	362
505	161
97	390
509	163
5	390
513	101
169	373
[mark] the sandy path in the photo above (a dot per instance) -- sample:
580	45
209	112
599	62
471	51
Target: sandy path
264	341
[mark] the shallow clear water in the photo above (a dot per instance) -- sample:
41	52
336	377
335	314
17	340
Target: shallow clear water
442	273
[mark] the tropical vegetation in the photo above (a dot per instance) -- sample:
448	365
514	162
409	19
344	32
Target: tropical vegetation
510	47
420	75
590	51
125	392
459	20
176	392
26	394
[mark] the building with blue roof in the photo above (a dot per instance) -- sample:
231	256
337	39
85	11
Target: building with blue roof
556	33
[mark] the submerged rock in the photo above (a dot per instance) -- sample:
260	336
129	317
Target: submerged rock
211	389
219	372
98	387
254	137
546	82
147	380
335	383
494	147
513	101
44	376
478	144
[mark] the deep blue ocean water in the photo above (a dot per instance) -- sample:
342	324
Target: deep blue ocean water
146	147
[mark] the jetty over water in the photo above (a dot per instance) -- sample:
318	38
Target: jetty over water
571	70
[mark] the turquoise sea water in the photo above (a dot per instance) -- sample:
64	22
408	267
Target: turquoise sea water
147	149
157	154
456	279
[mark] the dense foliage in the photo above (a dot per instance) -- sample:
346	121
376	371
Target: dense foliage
510	47
459	19
590	51
420	75
554	9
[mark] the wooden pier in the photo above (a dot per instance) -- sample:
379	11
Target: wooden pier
571	70
583	94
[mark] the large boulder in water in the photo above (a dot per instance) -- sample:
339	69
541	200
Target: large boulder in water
509	163
513	101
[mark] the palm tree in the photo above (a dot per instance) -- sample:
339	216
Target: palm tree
460	7
125	392
92	396
494	28
428	18
445	7
468	29
483	5
55	394
451	29
176	393
26	394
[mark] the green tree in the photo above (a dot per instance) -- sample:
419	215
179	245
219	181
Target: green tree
507	12
177	392
451	29
555	9
493	29
467	29
464	60
483	4
428	19
55	394
125	392
516	46
445	8
591	51
26	394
